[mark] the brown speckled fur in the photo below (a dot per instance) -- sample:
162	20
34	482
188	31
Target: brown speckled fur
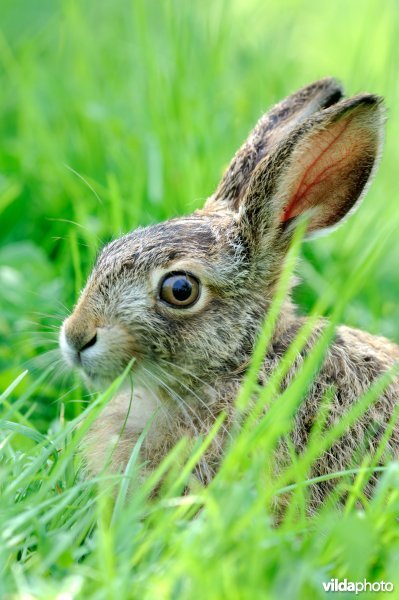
312	154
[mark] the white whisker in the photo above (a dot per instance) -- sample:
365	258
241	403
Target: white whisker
203	467
191	391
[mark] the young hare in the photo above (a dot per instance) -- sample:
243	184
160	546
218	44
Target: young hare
186	298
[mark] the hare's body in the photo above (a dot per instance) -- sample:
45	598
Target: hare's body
353	363
186	298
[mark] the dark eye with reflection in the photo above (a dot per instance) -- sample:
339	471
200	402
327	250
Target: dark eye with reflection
180	290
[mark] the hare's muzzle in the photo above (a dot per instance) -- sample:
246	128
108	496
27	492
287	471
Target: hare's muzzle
77	337
101	350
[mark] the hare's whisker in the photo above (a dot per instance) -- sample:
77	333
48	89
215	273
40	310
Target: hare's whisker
48	316
191	391
197	416
174	395
160	406
190	373
202	465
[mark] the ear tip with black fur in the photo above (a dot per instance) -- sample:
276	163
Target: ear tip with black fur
331	89
369	103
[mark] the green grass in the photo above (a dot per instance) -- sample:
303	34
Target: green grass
115	114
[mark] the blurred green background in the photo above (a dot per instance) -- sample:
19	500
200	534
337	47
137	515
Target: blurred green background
125	112
118	113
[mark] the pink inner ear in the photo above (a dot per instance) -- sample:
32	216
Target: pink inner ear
321	169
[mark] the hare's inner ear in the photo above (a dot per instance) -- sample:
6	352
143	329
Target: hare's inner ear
268	132
320	170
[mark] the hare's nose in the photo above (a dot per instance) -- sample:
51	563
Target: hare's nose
89	343
80	343
77	337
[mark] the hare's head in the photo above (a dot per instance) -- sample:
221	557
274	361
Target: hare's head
190	293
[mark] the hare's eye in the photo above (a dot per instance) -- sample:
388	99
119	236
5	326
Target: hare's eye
180	290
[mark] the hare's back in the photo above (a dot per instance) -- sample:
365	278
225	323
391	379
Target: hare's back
367	349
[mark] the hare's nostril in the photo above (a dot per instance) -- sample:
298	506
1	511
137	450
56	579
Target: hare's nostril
89	343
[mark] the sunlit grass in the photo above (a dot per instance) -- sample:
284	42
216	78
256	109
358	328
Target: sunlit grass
125	113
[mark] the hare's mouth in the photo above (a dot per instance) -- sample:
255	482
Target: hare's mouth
104	356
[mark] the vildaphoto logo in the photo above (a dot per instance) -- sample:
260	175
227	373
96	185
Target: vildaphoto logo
335	585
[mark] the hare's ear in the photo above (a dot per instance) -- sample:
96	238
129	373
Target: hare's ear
320	170
269	131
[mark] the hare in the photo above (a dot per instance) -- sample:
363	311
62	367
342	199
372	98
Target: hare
186	298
